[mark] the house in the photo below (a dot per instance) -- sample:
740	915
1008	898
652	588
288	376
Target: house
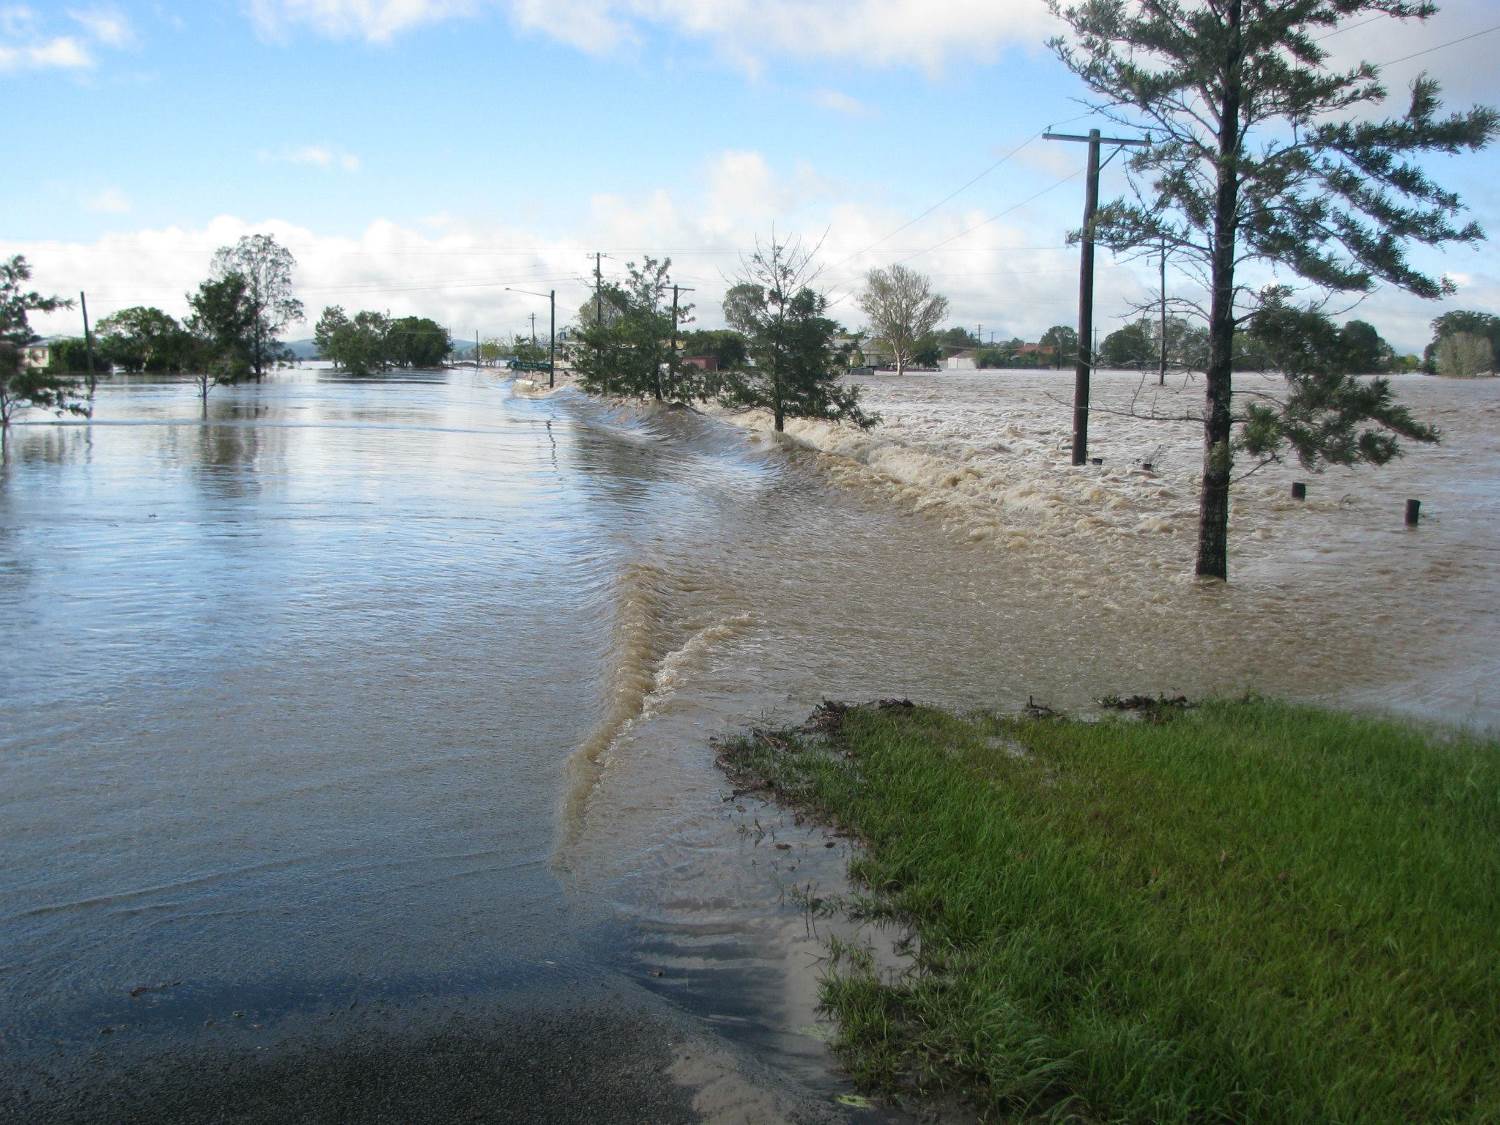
701	362
36	356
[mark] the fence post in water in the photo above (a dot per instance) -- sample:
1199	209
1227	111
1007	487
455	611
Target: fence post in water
1299	490
1413	512
1096	460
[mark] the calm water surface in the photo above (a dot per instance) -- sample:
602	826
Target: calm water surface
345	691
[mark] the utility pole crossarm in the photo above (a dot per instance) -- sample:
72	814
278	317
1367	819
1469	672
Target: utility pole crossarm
1137	142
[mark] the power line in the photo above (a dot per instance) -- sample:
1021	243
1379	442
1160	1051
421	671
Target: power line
960	189
1440	46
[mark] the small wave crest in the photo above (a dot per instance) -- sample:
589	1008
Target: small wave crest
655	650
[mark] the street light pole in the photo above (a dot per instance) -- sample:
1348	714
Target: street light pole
551	296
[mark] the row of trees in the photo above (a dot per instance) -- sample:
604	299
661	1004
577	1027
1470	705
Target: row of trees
780	353
231	332
369	342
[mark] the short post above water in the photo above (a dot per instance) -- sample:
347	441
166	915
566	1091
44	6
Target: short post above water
1299	490
1413	512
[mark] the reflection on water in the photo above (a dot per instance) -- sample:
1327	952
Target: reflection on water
344	688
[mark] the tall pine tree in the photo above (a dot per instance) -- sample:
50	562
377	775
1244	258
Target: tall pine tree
1262	151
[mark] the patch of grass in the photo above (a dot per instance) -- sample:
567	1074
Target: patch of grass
1253	911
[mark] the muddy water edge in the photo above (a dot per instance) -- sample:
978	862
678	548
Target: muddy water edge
371	712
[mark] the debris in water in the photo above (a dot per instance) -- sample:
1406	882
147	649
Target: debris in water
1035	710
142	989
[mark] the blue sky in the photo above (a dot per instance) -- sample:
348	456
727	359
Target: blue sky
419	155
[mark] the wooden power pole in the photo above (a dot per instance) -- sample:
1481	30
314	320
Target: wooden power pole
676	289
88	339
1085	364
1161	376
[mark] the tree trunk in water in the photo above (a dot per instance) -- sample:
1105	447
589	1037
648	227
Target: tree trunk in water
1213	503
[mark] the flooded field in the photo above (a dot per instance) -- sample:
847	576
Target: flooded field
399	692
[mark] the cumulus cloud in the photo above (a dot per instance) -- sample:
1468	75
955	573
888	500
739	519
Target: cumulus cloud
1009	271
315	156
60	52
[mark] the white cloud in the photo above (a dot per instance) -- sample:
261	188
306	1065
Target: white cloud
928	33
376	21
110	201
315	156
61	52
25	44
1012	274
840	102
107	26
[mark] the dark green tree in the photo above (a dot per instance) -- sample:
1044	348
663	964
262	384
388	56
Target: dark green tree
266	267
1063	341
1262	151
631	354
1365	352
222	324
360	345
69	355
956	339
791	340
1131	346
927	351
21	384
417	342
1328	416
143	339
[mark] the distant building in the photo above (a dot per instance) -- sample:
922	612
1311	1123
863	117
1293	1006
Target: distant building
961	362
37	355
701	362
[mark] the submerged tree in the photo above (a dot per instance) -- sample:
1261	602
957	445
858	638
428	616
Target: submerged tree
1465	355
797	366
902	309
1461	322
221	324
144	339
417	341
1262	151
266	267
360	345
629	349
23	384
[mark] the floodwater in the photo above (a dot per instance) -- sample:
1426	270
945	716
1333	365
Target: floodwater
400	691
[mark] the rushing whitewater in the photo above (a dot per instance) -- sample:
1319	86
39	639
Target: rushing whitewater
399	692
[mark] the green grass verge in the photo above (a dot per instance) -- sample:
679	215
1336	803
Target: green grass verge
1254	911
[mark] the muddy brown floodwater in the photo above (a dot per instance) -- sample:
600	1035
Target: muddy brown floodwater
395	696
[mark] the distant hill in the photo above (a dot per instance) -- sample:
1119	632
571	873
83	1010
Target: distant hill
303	349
